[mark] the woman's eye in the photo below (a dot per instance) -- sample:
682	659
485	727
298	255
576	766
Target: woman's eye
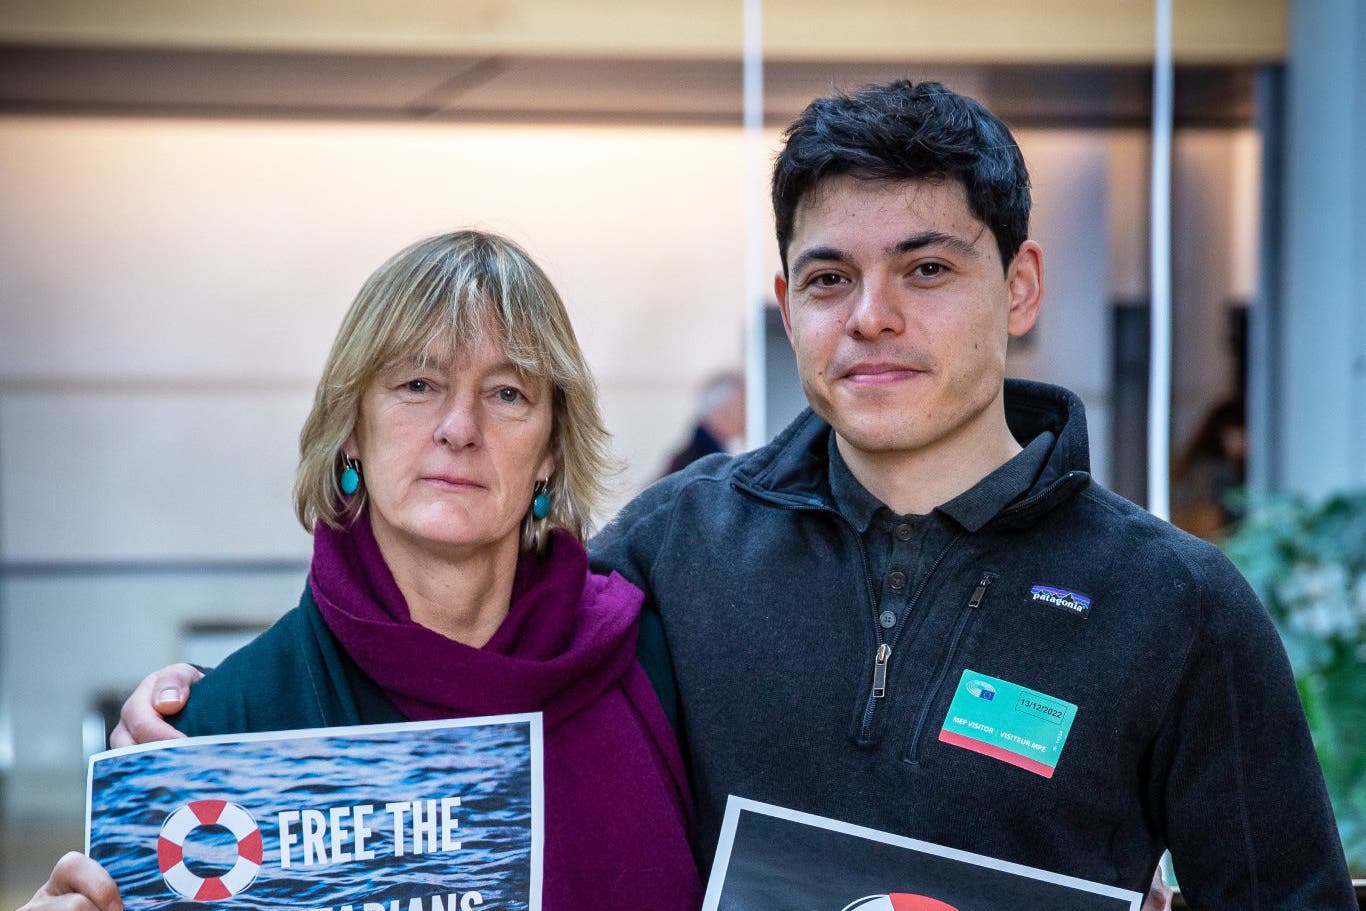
416	386
509	395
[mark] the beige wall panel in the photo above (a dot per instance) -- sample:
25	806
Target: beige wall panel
177	474
1068	171
1127	214
1245	217
917	30
1214	191
649	421
211	250
69	639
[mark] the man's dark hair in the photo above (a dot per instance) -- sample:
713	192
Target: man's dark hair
905	131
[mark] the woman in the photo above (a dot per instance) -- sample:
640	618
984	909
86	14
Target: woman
448	470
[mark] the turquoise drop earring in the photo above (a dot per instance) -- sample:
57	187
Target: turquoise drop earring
540	504
350	476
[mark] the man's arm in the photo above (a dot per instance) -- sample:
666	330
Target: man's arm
628	546
635	537
1234	779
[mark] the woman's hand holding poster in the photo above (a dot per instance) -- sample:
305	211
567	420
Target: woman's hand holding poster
427	816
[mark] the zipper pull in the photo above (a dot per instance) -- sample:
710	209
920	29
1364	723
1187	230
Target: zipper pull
884	651
980	593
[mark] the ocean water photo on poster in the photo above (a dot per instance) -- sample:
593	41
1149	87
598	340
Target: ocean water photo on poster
772	857
427	816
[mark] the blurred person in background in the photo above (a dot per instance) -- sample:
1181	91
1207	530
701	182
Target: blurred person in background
721	424
1211	472
449	466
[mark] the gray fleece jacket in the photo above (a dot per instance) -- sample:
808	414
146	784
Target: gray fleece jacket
1187	732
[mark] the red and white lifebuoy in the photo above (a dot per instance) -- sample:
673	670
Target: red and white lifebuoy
171	849
898	901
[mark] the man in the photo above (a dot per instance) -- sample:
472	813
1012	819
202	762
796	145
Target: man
722	421
928	535
827	597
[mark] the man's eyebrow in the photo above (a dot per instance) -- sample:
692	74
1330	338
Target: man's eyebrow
914	242
934	239
813	254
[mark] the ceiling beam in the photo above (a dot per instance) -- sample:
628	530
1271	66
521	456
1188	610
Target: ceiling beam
919	31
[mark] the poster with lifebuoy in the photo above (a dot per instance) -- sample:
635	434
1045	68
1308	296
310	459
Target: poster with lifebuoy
423	816
773	857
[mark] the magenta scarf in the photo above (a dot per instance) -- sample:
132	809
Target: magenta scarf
616	800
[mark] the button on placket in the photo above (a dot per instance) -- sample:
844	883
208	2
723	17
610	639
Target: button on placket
896	582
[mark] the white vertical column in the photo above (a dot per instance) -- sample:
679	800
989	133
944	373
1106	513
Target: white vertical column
756	236
1160	348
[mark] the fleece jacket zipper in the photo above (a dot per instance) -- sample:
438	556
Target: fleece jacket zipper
946	664
882	650
882	653
883	656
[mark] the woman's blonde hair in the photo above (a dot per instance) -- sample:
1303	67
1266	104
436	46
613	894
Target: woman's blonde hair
458	286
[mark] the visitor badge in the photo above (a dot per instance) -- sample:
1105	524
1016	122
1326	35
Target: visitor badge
1008	722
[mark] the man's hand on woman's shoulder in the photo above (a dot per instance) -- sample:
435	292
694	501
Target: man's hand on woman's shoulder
143	716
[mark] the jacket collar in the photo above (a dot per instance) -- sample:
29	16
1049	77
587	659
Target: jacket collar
793	469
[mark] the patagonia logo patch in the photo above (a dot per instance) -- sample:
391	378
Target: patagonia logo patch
1073	602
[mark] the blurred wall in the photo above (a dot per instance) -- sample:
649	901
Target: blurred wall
1318	435
1070	179
1216	192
